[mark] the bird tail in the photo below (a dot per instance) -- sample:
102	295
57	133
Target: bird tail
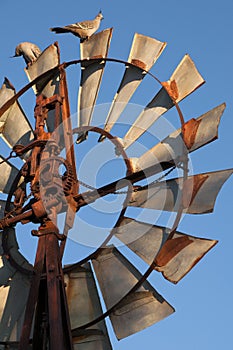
59	30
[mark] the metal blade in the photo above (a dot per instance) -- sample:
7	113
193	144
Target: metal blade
84	306
178	255
199	132
143	54
6	92
182	83
140	309
91	75
8	173
13	286
14	125
200	192
2	208
48	86
12	313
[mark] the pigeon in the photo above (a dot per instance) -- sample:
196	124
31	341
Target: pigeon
29	51
83	30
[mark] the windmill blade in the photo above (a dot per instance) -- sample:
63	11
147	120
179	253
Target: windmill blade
182	83
8	173
11	312
49	59
2	208
91	75
143	54
14	125
7	271
138	310
84	306
177	256
48	86
195	134
13	286
199	193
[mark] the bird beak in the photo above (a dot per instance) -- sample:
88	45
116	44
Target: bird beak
13	56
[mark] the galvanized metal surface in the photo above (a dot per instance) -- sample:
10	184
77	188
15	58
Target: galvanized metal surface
6	92
8	173
12	312
84	306
200	192
2	208
91	74
14	125
182	83
47	60
140	309
148	240
48	86
13	286
143	54
172	147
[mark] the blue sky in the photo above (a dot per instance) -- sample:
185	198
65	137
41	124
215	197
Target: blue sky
203	29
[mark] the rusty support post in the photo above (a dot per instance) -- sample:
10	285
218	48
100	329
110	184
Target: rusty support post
70	155
59	328
47	297
33	295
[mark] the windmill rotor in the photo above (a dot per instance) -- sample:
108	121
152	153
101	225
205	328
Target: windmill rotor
60	306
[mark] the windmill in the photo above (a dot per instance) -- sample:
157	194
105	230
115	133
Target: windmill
59	306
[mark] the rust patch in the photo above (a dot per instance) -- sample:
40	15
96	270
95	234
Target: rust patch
170	249
138	63
189	131
171	88
191	188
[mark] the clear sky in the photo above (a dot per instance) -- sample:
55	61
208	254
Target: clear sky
203	299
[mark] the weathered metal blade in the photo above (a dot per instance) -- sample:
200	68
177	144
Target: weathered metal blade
13	286
84	306
48	86
91	75
196	133
8	173
143	54
199	193
140	309
14	125
12	313
2	208
182	83
49	59
177	256
6	92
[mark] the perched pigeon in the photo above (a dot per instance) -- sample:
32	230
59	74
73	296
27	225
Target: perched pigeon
81	29
29	51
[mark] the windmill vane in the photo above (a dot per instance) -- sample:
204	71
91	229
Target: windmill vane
59	306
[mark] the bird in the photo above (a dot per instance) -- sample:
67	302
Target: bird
29	51
83	29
